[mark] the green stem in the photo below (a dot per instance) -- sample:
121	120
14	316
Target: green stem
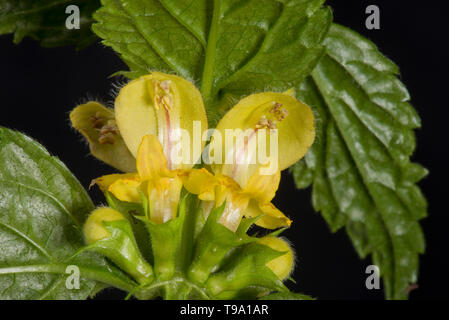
207	78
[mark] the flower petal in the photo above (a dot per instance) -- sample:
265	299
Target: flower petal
105	181
202	183
236	203
272	217
97	124
283	265
126	190
163	195
151	161
263	187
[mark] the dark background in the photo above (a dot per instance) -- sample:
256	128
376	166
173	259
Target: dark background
39	86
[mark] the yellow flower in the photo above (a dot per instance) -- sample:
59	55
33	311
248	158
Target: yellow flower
160	104
153	180
280	122
150	114
246	183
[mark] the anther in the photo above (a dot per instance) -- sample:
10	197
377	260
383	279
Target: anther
279	114
165	85
108	133
162	95
97	121
262	123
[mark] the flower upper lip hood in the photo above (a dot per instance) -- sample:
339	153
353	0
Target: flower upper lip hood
151	110
162	105
292	120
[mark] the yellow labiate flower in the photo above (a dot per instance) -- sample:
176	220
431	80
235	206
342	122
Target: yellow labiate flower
269	121
160	104
151	114
149	117
246	183
153	180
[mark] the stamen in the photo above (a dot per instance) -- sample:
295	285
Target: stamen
263	122
97	121
167	102
272	124
167	116
165	85
162	95
108	133
279	114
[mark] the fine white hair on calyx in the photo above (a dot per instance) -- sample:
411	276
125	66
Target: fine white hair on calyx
290	245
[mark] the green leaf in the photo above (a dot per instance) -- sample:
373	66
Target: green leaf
42	208
359	165
229	47
45	21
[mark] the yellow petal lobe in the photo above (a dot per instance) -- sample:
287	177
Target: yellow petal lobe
202	183
151	161
272	217
105	181
263	187
126	190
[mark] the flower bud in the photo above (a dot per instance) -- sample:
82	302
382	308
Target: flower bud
109	233
94	229
281	266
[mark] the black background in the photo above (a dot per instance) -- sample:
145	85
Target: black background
39	86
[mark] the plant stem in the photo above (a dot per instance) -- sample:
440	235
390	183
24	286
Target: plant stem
207	78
